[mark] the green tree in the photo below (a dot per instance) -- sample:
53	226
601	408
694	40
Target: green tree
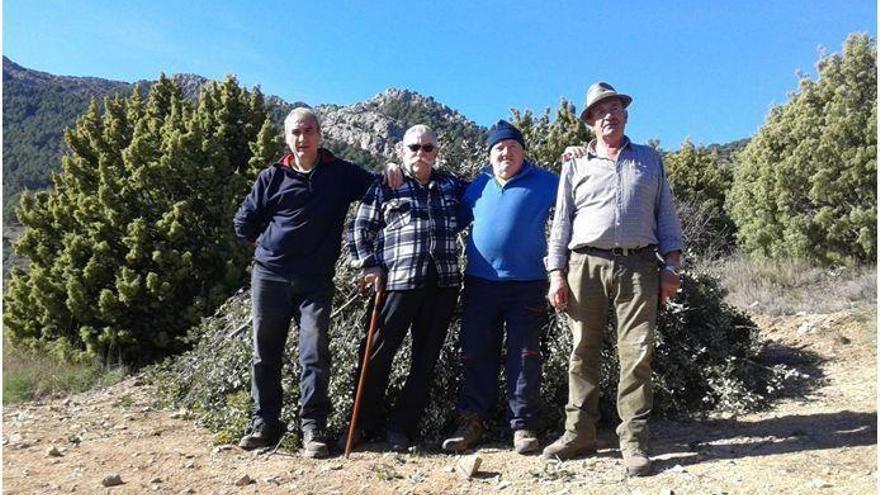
700	179
133	244
546	140
806	184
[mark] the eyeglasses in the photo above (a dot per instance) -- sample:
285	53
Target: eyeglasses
427	148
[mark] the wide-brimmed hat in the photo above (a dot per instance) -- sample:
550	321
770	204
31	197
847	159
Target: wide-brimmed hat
599	91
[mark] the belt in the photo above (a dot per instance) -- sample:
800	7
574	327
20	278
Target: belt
618	251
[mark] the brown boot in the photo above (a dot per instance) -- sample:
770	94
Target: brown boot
470	430
263	436
569	445
636	461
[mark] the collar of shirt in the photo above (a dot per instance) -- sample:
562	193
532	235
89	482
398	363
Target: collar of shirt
409	176
591	148
324	157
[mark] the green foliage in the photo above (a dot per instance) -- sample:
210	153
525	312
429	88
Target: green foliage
133	244
546	140
700	178
806	183
37	108
700	332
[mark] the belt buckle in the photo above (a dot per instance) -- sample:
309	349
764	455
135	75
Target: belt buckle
619	251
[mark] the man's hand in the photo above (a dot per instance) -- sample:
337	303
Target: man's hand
573	152
669	284
393	175
374	277
558	293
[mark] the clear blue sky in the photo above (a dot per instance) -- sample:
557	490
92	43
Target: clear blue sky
708	70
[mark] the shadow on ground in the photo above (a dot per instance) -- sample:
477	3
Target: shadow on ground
686	443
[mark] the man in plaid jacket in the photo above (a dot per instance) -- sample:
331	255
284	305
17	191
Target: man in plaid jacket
405	239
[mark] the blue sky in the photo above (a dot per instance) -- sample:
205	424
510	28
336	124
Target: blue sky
707	70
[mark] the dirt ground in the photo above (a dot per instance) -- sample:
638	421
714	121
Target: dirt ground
824	441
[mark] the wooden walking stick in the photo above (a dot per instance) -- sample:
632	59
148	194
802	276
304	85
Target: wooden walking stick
374	319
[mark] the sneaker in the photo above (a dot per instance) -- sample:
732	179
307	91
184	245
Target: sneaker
262	435
569	445
397	442
470	430
525	441
315	444
636	461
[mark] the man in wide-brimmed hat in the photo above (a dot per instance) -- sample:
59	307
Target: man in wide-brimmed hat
614	215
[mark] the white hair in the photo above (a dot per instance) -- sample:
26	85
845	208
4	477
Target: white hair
299	113
421	129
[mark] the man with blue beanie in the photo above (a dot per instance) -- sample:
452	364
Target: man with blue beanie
508	206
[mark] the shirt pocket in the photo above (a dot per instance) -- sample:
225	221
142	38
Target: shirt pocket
397	213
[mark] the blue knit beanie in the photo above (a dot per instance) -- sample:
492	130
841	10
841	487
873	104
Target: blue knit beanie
504	130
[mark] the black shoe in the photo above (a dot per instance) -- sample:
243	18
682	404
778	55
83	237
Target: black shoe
397	442
263	435
315	443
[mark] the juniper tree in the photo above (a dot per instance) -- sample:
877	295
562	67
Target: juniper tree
548	139
806	184
700	180
133	244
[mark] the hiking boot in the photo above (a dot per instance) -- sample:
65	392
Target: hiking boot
397	442
262	435
636	461
569	445
315	444
525	441
470	430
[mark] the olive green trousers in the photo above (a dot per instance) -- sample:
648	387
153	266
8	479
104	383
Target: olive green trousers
631	284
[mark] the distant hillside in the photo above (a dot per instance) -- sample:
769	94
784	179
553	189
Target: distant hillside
38	107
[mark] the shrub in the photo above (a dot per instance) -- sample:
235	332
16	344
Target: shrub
806	184
699	332
133	244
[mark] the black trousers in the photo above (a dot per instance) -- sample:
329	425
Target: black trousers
426	312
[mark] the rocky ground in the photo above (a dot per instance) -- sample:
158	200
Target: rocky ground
822	441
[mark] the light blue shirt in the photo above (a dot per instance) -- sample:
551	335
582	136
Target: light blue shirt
606	204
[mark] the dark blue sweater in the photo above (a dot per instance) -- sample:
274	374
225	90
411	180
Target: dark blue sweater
296	218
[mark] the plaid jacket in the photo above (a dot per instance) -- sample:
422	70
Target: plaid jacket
405	230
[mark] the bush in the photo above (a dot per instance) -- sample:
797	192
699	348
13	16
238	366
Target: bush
699	179
699	332
133	244
806	184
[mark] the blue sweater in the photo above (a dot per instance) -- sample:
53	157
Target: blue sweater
296	219
507	240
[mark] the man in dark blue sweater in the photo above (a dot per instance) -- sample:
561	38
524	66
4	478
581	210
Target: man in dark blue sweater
505	282
295	214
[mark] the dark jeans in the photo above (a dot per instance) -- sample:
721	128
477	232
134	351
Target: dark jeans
490	308
276	300
425	312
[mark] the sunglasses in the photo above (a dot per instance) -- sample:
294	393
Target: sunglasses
427	148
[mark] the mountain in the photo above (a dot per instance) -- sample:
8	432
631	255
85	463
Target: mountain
38	107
